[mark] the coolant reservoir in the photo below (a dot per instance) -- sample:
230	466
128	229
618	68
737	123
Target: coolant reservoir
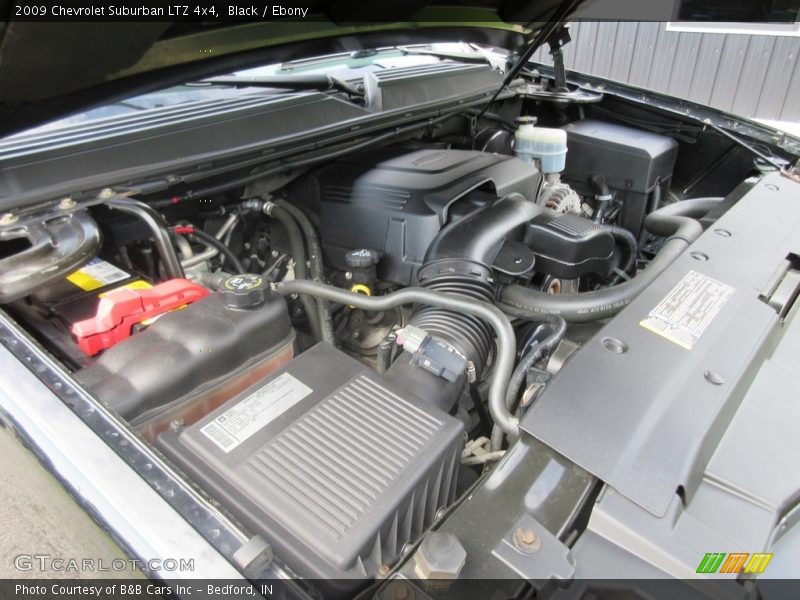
192	360
546	146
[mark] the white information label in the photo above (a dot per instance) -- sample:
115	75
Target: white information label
261	407
685	313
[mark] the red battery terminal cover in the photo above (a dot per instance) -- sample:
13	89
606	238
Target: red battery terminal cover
121	309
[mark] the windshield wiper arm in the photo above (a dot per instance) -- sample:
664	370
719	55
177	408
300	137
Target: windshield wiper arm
467	57
322	82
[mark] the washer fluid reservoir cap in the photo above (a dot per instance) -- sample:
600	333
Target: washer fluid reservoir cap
244	291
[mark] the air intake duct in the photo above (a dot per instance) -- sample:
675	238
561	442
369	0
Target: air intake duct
459	262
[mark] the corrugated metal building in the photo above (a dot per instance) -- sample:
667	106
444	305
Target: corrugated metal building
754	75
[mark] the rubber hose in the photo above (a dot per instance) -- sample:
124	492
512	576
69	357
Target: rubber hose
458	261
678	221
600	185
602	195
383	359
506	340
477	237
299	255
210	240
317	267
627	239
520	372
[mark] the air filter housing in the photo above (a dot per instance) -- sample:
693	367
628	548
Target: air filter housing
335	468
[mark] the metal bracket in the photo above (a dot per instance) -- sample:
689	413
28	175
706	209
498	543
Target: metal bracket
538	556
557	41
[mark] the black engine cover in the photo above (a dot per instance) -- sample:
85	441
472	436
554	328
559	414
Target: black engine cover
396	202
569	246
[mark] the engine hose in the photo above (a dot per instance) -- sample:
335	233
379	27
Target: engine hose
158	229
210	240
298	252
317	267
535	354
383	358
678	221
458	262
506	340
625	238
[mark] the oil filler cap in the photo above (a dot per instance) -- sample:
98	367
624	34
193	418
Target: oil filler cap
244	291
363	258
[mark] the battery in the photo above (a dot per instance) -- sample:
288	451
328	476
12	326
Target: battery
52	311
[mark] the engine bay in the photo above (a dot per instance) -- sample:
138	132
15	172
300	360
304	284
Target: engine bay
337	354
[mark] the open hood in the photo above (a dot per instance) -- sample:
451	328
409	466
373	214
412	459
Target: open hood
51	69
55	65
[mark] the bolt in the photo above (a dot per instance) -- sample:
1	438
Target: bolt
177	424
525	539
66	203
401	591
348	275
440	556
384	569
527	536
8	219
105	193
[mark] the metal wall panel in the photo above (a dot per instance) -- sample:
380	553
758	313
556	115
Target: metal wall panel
755	76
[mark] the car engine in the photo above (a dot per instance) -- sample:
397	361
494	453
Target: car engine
336	353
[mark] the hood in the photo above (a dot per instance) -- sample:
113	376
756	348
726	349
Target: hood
52	69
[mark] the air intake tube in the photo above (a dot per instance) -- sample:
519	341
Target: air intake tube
459	262
677	220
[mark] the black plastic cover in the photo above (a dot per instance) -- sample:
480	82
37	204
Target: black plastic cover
184	353
334	466
648	421
397	202
393	89
41	165
633	162
569	246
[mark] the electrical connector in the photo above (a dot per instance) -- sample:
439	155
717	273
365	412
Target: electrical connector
432	354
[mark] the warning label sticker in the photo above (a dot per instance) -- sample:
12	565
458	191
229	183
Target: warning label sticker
97	273
261	407
137	284
685	313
